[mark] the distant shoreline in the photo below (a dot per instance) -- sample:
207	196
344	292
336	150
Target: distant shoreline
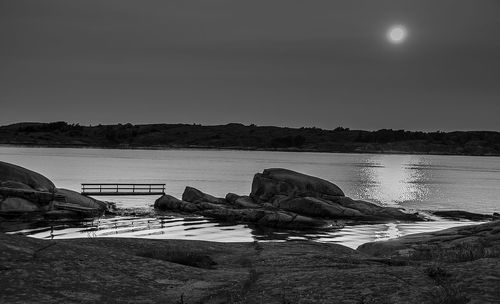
202	148
236	136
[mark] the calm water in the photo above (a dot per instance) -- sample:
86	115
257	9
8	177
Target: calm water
420	182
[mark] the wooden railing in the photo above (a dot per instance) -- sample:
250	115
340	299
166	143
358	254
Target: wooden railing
123	189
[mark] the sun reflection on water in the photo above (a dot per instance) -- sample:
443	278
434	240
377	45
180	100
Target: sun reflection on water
394	180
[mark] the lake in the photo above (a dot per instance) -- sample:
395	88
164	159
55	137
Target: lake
416	182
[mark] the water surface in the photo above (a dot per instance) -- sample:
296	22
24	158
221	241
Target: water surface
416	182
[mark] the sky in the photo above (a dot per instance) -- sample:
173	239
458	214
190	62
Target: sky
322	63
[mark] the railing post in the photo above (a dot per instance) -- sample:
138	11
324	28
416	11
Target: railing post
133	188
100	188
149	188
116	188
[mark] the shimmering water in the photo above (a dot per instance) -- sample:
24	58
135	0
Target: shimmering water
421	182
160	227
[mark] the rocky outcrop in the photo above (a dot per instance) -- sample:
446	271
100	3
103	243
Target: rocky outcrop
284	182
285	199
456	244
25	192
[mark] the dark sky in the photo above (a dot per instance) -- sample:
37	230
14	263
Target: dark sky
288	63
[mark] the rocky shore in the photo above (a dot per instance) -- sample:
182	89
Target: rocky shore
118	270
457	265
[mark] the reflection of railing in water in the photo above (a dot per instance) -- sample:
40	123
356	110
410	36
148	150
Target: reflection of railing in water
123	189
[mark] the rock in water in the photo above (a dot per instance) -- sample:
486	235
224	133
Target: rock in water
284	199
277	181
194	195
168	202
36	181
22	190
76	198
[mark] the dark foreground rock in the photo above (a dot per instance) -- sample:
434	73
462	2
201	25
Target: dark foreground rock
284	199
118	270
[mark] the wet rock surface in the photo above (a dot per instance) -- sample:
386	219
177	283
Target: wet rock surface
283	198
120	270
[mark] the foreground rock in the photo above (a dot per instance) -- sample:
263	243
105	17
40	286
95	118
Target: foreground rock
31	195
118	270
285	199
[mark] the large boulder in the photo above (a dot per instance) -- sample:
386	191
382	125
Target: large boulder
36	181
277	181
312	196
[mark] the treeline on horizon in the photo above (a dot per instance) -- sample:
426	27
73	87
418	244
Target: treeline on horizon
252	137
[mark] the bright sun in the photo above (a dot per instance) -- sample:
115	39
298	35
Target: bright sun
397	34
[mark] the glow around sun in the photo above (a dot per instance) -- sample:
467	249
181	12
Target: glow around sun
397	34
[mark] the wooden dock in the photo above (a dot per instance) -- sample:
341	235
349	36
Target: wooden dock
110	189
